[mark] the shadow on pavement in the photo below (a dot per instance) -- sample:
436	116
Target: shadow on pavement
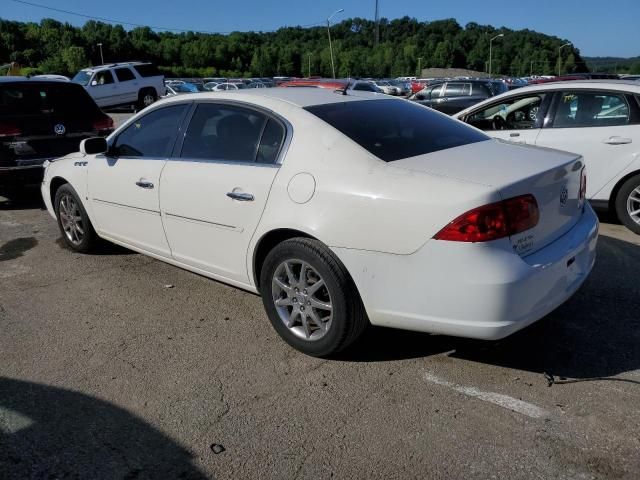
595	334
25	198
47	432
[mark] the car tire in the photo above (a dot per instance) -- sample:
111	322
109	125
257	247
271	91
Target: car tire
330	298
73	221
628	202
146	97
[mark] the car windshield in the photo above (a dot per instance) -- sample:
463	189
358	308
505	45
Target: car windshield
82	78
396	129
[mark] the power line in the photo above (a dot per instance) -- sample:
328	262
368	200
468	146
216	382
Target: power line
130	24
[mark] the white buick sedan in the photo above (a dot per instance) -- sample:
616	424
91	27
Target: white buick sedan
340	210
598	119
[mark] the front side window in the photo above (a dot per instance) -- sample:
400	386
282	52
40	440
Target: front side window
517	113
434	92
103	78
396	129
590	109
151	135
223	132
124	74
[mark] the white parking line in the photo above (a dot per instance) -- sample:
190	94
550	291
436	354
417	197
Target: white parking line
504	401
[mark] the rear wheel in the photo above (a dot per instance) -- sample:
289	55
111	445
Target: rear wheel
146	97
310	299
628	204
73	221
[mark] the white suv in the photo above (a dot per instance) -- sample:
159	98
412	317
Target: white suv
120	84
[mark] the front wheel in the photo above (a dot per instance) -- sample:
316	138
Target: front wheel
310	298
628	204
73	221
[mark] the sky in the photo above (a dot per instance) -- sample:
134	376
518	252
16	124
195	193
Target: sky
596	27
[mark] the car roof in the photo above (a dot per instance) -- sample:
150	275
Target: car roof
583	84
98	68
14	79
301	97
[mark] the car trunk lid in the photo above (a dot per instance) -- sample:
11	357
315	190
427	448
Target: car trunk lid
553	177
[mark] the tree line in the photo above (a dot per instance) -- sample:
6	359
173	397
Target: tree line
54	47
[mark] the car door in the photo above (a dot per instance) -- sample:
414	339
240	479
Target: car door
518	118
128	85
104	89
123	184
430	96
602	126
455	97
214	190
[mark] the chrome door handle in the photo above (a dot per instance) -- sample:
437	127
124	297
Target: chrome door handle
617	141
144	184
241	196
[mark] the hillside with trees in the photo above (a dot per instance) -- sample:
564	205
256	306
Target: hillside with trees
54	47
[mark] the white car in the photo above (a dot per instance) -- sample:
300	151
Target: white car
335	214
386	87
597	119
120	84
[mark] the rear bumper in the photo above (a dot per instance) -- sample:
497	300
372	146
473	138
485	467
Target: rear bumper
481	291
21	175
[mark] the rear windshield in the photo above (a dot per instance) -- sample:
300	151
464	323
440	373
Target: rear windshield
38	98
147	70
396	129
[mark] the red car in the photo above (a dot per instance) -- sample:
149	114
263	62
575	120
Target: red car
316	82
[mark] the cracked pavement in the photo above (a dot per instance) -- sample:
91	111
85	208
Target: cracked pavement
105	373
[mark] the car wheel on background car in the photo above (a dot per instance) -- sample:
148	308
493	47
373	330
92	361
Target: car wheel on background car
310	298
146	97
628	204
73	221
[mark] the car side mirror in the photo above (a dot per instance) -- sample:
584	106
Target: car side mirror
94	146
94	83
421	97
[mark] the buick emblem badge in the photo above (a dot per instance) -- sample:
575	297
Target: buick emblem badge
59	129
564	196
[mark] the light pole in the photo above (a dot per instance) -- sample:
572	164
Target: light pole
560	58
101	57
491	52
309	75
419	66
333	67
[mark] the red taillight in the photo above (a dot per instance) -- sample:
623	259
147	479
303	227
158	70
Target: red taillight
493	221
103	123
9	130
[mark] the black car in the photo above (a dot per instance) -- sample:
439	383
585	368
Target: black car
453	96
41	120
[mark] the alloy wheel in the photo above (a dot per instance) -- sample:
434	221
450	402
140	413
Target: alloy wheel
633	205
302	299
71	219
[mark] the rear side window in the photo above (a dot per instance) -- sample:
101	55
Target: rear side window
35	98
147	70
223	132
396	129
457	89
591	109
271	142
152	135
124	74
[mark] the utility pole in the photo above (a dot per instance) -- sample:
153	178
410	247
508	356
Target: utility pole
333	67
376	39
309	75
491	51
419	66
531	69
560	57
101	57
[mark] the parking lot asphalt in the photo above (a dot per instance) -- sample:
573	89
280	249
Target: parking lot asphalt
115	365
